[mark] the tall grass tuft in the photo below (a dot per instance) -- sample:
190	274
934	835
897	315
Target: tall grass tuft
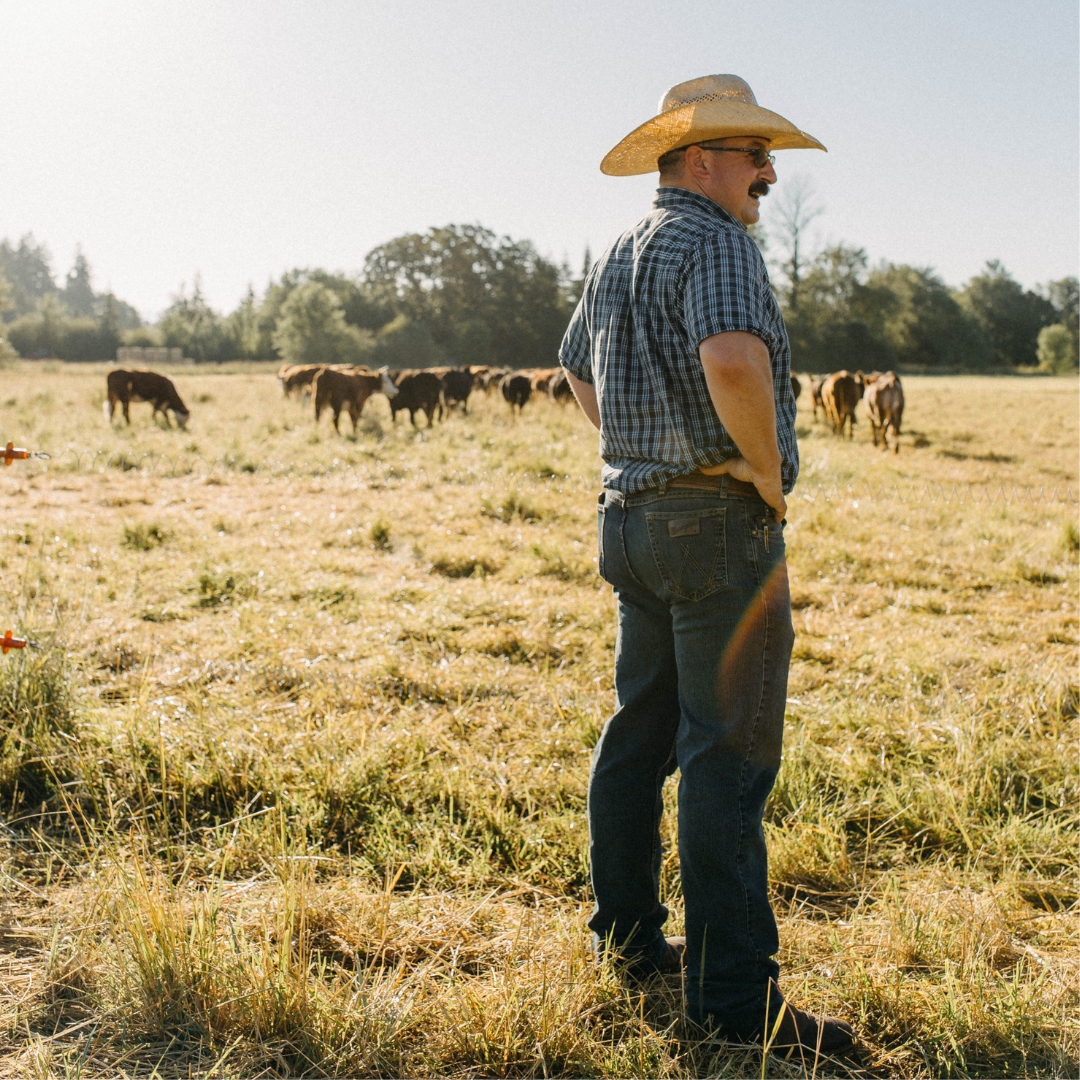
37	728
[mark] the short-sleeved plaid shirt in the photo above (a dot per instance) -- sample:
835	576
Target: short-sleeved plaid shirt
687	271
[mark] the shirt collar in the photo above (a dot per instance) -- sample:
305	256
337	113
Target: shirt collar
680	198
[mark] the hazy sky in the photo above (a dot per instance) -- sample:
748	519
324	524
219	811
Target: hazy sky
238	139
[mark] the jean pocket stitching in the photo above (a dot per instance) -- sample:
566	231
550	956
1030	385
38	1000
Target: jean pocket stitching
713	578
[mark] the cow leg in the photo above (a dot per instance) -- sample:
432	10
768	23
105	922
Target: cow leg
337	413
127	415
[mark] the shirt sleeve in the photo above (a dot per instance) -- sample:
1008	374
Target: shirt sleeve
723	289
575	352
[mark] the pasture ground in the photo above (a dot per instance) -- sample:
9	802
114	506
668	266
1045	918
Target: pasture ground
299	788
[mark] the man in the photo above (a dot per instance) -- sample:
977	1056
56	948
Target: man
678	354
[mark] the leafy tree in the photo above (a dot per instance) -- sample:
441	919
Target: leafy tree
402	343
357	305
484	299
311	329
141	335
1057	349
925	325
51	332
190	323
41	334
1058	345
1011	316
1065	296
840	319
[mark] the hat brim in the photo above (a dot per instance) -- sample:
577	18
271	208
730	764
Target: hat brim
641	149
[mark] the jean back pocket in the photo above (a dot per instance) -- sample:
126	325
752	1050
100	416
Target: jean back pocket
689	549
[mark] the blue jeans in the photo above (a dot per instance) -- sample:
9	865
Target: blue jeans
701	666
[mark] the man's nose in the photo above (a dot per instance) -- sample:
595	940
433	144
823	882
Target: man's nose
768	174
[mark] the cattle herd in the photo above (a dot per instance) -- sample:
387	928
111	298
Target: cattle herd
435	391
838	395
431	391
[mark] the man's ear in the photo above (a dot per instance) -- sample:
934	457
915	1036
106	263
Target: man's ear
694	157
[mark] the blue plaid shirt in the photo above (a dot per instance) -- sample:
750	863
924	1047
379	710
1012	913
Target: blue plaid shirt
687	271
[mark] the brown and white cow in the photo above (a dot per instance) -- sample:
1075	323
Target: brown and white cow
125	387
339	390
840	393
541	379
885	409
298	378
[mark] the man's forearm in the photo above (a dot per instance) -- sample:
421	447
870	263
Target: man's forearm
739	377
586	398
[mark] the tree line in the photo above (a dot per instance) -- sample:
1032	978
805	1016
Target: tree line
463	295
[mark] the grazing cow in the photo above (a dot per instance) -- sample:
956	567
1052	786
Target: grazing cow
796	387
299	377
516	388
541	379
457	385
493	379
840	394
128	386
417	391
815	394
348	389
885	409
559	389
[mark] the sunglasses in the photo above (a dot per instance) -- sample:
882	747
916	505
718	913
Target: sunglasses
761	156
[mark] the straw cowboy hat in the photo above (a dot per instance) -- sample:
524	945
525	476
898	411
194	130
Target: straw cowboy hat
712	107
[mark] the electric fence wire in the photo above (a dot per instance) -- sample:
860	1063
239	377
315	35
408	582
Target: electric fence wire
381	474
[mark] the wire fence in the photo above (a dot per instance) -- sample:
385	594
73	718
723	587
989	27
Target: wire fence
385	474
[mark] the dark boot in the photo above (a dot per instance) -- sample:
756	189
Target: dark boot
802	1033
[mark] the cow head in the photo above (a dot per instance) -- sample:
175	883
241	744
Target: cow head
181	419
386	384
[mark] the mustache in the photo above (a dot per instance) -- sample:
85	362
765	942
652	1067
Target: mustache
759	187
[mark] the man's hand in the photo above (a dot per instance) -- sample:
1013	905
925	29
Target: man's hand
739	378
739	469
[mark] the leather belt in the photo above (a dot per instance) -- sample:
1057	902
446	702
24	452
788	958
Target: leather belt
701	482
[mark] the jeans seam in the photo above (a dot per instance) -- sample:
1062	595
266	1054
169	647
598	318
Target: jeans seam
750	750
626	555
659	814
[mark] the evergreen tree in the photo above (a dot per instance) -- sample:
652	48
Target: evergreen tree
28	269
78	294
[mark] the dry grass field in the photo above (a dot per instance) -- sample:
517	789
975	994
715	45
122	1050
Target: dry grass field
296	785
